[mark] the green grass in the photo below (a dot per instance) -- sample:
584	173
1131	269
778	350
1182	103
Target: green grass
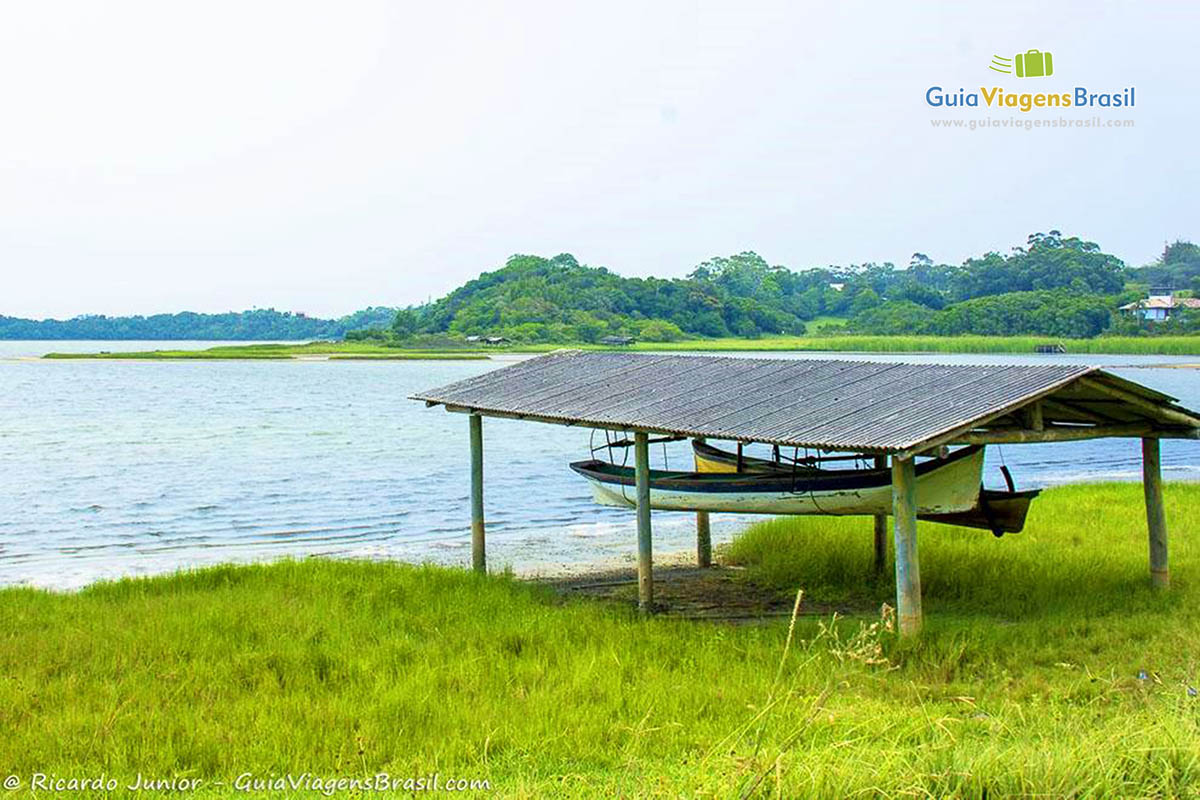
1025	681
1119	345
825	320
1128	345
332	350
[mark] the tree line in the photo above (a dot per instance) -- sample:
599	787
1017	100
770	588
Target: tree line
1053	285
258	324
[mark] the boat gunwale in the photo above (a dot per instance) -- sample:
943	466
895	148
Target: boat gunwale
803	481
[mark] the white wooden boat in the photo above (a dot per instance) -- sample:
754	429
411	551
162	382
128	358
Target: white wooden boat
944	486
997	510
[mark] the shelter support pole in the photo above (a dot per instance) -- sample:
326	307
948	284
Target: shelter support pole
880	528
641	451
908	571
703	538
1156	520
478	555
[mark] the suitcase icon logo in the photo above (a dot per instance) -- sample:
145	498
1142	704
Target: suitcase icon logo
1034	64
1030	64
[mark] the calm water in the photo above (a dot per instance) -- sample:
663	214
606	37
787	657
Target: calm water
123	468
39	347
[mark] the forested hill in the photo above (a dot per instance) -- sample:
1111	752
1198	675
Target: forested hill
259	324
557	299
1052	285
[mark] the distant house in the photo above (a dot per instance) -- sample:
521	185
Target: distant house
837	287
617	340
474	338
494	340
1159	306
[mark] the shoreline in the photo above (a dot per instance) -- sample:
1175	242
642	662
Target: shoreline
915	345
531	571
553	572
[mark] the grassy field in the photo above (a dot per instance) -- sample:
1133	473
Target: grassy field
331	350
1124	345
1164	345
1048	668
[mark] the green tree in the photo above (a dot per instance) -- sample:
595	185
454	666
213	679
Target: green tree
406	322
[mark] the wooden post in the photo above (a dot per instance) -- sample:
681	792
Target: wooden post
641	451
1156	520
703	540
478	555
908	571
880	528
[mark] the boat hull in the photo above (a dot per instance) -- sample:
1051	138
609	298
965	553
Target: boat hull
997	511
712	459
943	486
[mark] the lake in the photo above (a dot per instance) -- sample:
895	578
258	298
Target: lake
111	468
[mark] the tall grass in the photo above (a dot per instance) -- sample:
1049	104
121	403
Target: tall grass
1026	681
1118	345
260	351
1127	345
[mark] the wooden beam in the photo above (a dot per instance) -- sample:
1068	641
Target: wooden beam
908	570
1070	408
478	554
641	450
881	526
1156	519
1057	433
1156	410
483	412
1036	421
955	435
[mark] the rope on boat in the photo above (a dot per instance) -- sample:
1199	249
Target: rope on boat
624	465
812	494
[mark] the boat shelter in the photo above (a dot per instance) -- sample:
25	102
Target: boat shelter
893	411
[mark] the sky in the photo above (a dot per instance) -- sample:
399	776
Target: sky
324	157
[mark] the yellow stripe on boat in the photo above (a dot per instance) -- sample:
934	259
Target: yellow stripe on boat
942	488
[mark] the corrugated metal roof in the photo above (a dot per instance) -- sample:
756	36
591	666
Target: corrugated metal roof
828	404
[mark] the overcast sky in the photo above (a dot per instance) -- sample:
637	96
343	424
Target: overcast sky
323	157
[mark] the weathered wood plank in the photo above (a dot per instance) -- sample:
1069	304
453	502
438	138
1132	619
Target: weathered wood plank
908	569
478	550
1154	410
641	449
881	528
1057	433
1156	518
703	537
703	540
1036	421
